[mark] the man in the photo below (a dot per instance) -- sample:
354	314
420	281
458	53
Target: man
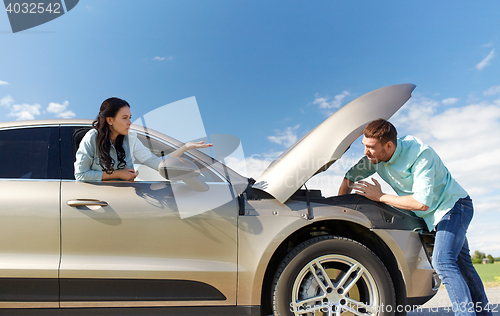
425	186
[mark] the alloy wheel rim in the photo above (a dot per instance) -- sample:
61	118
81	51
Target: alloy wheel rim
334	285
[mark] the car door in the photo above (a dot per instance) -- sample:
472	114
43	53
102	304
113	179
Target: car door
29	216
146	243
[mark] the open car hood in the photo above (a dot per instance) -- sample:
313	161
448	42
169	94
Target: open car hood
326	143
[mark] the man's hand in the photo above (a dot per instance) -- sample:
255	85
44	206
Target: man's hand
371	191
374	193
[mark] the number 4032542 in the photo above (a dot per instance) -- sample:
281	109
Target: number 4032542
34	8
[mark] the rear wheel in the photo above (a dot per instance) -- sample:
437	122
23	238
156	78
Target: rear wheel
332	275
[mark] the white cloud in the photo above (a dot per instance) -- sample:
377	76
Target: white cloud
29	111
272	154
6	101
25	111
492	91
327	104
56	107
60	110
251	167
484	226
415	110
66	115
450	101
485	62
170	58
3	83
287	137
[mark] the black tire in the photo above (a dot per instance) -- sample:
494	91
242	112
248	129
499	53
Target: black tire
300	278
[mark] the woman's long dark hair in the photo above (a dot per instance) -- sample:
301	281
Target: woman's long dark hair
109	108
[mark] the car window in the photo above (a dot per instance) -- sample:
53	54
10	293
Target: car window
29	153
162	149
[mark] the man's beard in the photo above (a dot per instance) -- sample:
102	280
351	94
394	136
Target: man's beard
379	160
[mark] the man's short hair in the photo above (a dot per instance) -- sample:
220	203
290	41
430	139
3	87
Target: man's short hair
382	130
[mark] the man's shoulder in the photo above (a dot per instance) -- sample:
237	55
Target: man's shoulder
414	148
412	143
411	140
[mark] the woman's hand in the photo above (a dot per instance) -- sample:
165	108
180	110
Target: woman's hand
196	145
188	146
127	174
124	174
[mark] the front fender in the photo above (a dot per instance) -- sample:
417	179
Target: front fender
265	226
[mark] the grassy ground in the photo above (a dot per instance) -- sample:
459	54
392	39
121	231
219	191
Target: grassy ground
489	273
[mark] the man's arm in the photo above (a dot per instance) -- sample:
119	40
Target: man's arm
346	187
374	193
406	202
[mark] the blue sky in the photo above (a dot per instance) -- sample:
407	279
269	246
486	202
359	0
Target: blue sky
270	71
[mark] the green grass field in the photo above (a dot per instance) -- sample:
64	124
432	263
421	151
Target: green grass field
489	273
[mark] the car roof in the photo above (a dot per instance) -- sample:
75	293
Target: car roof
45	122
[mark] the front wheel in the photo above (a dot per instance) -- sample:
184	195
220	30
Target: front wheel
332	275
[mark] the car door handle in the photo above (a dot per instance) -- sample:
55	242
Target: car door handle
86	202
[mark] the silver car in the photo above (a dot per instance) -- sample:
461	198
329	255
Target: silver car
238	247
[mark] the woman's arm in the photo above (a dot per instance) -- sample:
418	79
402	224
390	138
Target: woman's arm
123	174
146	157
187	146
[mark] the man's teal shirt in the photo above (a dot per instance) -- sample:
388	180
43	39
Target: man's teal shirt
415	169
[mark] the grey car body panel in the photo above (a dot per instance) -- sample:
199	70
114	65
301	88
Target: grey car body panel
329	140
30	247
412	261
143	237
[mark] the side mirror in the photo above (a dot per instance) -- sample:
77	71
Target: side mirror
177	168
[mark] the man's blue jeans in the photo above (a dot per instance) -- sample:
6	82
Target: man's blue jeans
452	262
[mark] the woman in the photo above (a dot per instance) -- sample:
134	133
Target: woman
107	151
